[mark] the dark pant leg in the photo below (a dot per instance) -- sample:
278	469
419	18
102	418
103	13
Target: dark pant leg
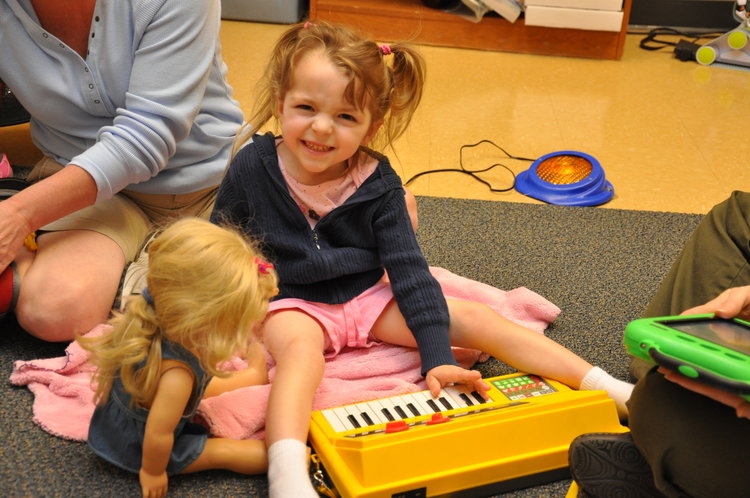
714	259
694	445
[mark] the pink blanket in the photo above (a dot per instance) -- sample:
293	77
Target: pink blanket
63	397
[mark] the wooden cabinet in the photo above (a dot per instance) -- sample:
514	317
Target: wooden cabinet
399	20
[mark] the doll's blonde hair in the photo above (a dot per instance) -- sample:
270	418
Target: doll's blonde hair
387	80
209	286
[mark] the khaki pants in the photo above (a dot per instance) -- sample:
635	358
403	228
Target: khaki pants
128	217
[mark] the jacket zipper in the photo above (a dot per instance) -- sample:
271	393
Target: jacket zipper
315	238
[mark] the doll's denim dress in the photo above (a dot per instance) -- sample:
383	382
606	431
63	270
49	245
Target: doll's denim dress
117	427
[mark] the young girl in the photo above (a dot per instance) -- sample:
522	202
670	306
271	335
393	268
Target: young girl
332	216
207	289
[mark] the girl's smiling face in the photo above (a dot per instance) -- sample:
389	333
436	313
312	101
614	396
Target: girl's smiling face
321	129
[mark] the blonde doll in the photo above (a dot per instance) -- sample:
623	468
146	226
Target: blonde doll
207	289
333	215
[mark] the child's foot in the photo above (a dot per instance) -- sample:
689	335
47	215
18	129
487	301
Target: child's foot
618	390
288	474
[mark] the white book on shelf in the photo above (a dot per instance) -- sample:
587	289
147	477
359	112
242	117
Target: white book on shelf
579	4
509	9
558	17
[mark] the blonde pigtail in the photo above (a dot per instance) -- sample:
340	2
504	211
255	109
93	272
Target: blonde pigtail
407	73
133	338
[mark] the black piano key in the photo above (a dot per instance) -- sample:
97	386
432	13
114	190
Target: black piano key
446	403
388	414
478	397
413	409
366	417
433	405
401	412
466	399
353	421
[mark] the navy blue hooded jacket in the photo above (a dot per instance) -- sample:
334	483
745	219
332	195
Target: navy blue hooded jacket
349	249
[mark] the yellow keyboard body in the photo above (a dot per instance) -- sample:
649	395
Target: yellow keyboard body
524	430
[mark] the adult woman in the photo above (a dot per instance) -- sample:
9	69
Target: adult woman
130	106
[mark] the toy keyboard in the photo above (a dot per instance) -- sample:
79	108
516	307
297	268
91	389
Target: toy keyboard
415	445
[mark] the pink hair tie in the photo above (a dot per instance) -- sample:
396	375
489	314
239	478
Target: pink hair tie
264	267
307	24
386	50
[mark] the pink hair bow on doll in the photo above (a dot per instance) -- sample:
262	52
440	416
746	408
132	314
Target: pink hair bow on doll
264	267
386	49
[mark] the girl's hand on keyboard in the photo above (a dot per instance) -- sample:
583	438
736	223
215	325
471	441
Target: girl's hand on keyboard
444	375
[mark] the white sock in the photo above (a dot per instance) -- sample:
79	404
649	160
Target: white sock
288	474
597	379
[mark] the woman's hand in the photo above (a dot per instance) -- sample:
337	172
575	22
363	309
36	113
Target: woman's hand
65	192
734	302
443	375
740	405
13	230
153	486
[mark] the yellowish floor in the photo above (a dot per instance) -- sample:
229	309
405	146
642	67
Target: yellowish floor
670	135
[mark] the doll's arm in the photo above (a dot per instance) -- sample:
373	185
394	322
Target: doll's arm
255	374
172	395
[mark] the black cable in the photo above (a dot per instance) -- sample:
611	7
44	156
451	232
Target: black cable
473	173
651	43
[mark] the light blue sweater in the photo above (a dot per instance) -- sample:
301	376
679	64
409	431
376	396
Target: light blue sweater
149	109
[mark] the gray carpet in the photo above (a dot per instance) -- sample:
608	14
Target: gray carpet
600	266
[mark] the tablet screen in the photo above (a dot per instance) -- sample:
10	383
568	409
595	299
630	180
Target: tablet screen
727	333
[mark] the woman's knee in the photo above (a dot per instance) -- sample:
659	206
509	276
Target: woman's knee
59	316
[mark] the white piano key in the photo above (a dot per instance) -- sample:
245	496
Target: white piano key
343	414
455	396
399	409
422	398
387	404
444	395
354	413
363	415
372	411
413	401
333	418
378	406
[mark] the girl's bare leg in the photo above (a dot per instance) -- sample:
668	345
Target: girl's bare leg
477	326
295	340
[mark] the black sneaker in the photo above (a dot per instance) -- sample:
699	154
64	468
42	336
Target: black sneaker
609	464
10	186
